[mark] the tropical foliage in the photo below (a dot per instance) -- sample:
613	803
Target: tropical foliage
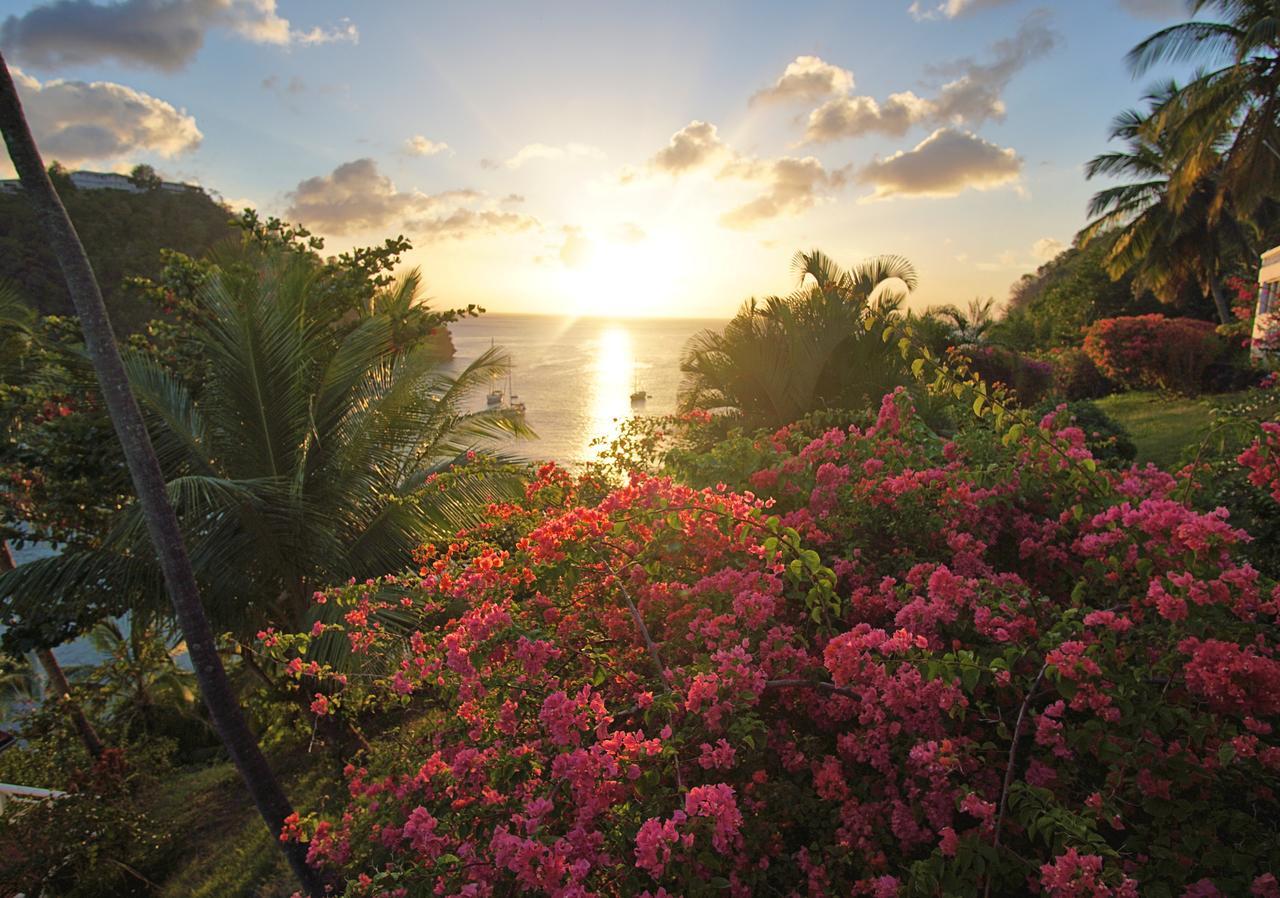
1227	118
1170	236
784	356
310	447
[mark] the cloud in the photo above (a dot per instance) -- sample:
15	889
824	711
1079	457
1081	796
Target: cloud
356	197
78	121
463	224
293	86
857	116
162	34
970	95
945	163
1156	9
576	249
807	78
513	199
417	145
630	232
693	146
791	186
536	151
1047	248
952	8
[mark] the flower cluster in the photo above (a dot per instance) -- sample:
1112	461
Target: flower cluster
1262	459
900	665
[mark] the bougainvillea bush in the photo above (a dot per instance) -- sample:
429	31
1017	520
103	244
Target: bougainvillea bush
1151	352
918	667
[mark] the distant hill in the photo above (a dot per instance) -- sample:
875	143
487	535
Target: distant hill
122	231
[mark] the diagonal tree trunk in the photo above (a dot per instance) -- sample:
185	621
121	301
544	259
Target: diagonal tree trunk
148	481
58	679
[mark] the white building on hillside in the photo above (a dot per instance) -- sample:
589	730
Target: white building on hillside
105	180
1266	319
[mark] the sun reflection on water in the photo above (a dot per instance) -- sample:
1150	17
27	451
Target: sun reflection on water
614	372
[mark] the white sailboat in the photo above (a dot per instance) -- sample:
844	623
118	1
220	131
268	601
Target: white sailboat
638	396
513	400
494	398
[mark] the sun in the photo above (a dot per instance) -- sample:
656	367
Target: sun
647	277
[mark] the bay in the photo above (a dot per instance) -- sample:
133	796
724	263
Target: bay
576	375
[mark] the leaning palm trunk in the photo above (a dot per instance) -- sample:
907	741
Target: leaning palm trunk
144	468
58	679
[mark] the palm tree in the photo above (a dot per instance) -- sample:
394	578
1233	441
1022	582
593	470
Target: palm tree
139	676
969	326
144	468
311	453
1226	121
782	357
1166	245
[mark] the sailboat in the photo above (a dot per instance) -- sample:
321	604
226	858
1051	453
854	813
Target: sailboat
638	396
495	395
514	401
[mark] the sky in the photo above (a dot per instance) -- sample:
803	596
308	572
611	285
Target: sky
613	159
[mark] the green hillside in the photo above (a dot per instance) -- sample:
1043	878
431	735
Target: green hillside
123	234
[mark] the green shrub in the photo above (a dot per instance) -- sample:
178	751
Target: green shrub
1075	376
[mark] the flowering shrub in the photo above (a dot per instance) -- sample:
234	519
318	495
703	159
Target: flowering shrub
1262	458
1153	352
919	667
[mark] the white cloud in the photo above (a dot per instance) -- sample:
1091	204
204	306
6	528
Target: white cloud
789	185
693	146
1047	248
537	151
77	121
950	9
856	116
464	224
807	78
576	249
356	197
970	95
162	34
417	145
945	163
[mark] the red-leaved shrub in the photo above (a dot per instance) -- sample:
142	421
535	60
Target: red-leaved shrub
1151	352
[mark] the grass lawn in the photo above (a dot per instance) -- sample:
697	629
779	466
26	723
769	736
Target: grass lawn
230	853
1165	429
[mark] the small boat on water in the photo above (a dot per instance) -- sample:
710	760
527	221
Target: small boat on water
494	398
514	401
638	396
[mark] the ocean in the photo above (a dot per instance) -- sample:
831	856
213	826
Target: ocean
576	375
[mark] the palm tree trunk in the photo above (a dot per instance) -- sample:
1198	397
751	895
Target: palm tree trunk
58	679
148	481
62	692
1219	300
